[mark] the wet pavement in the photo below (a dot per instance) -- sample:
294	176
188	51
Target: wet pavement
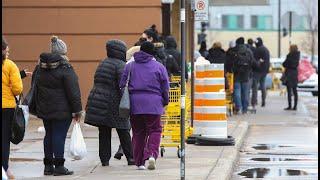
283	144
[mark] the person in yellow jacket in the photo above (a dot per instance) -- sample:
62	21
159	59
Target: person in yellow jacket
11	87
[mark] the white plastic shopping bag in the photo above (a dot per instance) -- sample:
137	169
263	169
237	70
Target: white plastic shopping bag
25	110
4	174
78	148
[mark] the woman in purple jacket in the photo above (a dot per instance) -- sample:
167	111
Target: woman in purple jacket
149	93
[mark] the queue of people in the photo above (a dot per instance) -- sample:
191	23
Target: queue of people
146	68
147	71
250	63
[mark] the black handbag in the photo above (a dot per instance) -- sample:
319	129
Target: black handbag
30	99
283	79
18	125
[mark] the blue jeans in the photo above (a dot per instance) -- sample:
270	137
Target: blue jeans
241	96
55	138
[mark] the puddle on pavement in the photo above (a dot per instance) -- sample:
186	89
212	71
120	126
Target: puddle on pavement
266	172
24	160
280	159
268	146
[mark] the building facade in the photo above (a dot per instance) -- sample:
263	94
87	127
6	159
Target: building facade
251	20
84	25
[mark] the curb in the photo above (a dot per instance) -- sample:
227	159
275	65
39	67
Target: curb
230	155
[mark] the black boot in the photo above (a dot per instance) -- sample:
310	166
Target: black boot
288	108
48	166
119	153
131	162
59	169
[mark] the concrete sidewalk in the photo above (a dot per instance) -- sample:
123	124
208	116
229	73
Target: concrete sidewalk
202	162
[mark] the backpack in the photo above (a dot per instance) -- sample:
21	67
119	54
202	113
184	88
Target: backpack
242	62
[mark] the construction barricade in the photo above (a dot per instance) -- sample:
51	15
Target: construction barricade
210	111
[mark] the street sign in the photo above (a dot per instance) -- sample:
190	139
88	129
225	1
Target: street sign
201	10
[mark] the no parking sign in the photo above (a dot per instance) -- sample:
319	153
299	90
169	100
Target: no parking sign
201	10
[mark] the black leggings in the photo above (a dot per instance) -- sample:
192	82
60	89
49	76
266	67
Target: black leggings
293	89
7	117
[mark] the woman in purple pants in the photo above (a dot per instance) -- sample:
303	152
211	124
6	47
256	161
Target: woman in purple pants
149	93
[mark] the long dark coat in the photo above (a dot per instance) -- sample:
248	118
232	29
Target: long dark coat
103	102
291	68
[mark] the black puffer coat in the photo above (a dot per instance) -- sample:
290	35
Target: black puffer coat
58	92
216	55
171	49
103	102
291	65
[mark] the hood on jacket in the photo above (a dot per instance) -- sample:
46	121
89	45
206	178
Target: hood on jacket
116	49
142	57
170	42
259	42
51	60
241	48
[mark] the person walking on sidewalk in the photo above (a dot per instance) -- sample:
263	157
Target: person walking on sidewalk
291	75
103	100
149	93
58	102
243	64
261	55
11	86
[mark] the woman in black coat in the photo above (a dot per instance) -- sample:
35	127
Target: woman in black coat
58	102
291	75
102	108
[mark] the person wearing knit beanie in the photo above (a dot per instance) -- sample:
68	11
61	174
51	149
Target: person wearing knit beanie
58	46
147	47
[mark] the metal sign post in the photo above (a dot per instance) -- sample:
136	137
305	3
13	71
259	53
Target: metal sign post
290	26
183	96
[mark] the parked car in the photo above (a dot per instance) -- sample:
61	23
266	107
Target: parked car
310	85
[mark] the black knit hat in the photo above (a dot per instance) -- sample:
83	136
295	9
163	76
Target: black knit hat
240	40
147	47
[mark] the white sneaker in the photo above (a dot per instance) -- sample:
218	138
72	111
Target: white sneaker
141	168
152	163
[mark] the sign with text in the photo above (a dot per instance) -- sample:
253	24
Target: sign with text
201	10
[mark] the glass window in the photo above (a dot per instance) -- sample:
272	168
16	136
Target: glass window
304	23
254	22
261	22
232	22
225	22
